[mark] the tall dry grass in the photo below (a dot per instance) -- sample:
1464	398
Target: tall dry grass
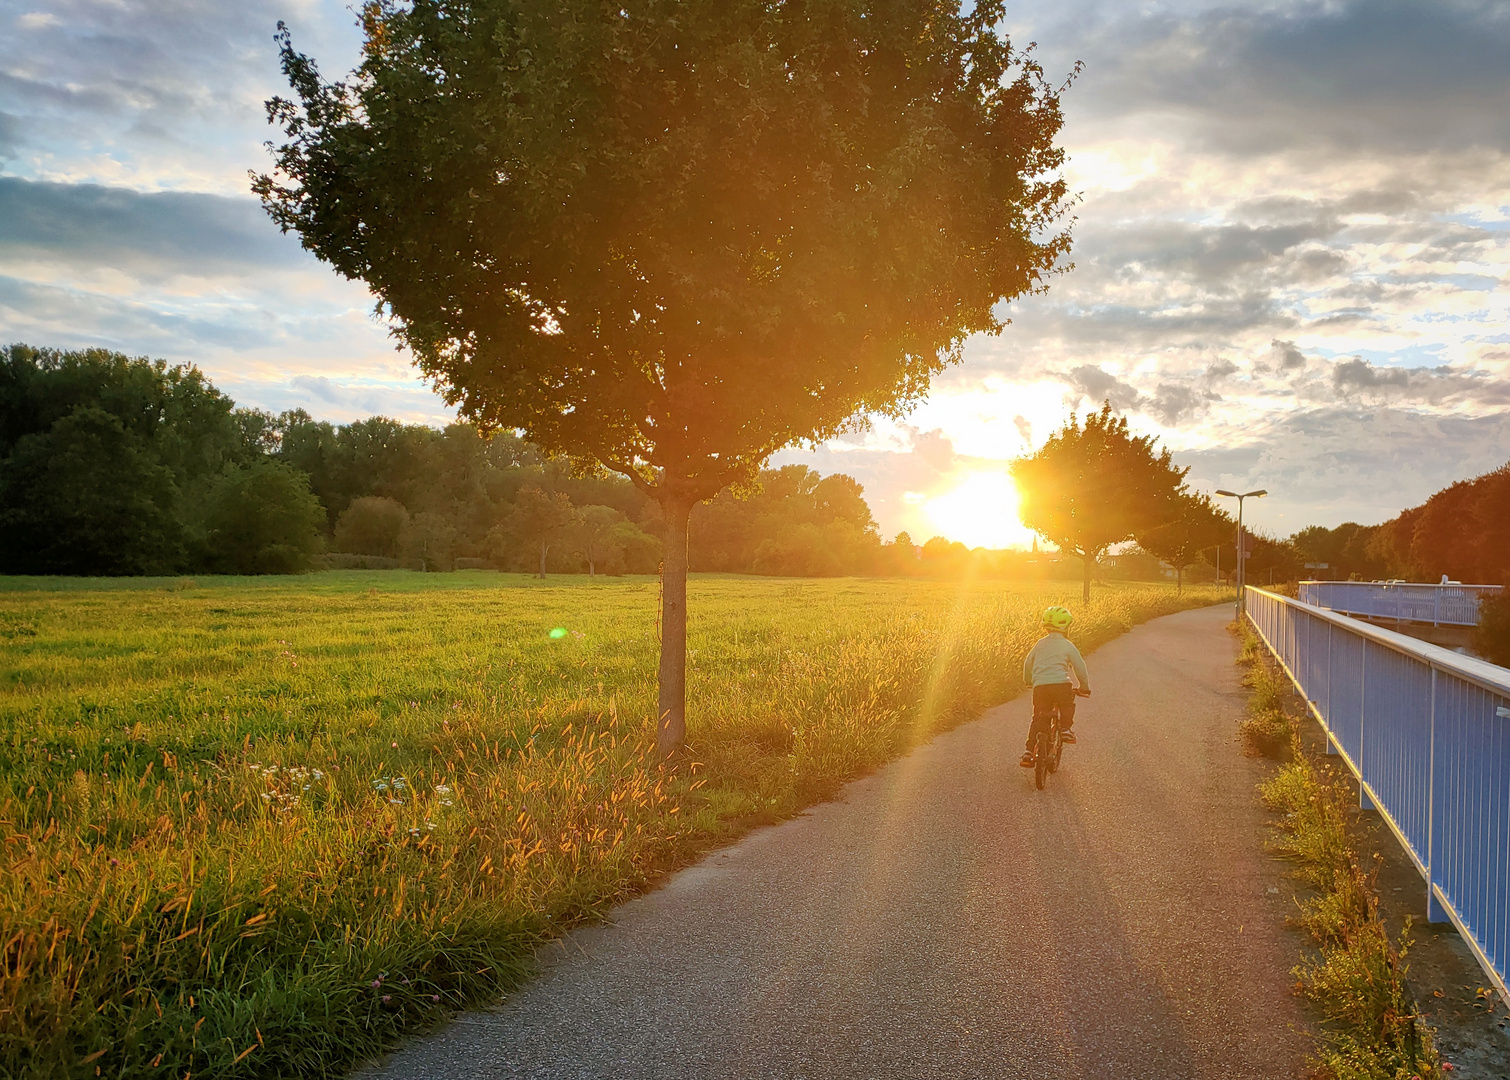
1355	979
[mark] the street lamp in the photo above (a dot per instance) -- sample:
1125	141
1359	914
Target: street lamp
1241	576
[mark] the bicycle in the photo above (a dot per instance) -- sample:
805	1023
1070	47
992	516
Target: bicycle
1050	748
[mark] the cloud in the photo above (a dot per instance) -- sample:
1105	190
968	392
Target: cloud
1439	385
355	399
1099	385
10	135
151	235
38	313
1171	403
1284	358
1390	75
157	94
1340	463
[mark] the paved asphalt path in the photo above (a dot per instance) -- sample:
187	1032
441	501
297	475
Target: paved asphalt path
943	918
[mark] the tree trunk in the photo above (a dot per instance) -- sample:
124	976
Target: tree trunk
1179	582
1089	560
544	550
590	571
671	728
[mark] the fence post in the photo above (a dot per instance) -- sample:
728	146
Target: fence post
1331	676
1434	911
1364	802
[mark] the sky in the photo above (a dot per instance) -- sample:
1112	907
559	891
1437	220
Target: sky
1290	259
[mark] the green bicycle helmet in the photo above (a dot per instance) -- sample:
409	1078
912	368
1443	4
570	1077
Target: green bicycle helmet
1057	618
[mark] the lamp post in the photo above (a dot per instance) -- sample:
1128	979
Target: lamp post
1241	575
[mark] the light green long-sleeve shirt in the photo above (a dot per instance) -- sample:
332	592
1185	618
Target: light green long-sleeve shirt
1051	660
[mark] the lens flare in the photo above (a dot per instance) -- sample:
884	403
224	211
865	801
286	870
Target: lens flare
558	633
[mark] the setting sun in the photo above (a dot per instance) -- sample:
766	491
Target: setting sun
980	510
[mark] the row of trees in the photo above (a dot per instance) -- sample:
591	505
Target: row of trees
1460	532
114	465
1094	485
110	465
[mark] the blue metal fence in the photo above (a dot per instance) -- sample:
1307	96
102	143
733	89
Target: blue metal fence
1427	733
1440	605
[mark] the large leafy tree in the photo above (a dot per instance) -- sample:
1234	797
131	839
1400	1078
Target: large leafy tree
1095	484
1197	524
262	520
88	496
669	238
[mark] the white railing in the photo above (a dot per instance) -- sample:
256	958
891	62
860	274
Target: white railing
1405	601
1427	733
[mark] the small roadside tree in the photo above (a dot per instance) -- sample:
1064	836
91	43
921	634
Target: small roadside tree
669	239
1096	484
593	532
535	522
373	525
1197	524
430	538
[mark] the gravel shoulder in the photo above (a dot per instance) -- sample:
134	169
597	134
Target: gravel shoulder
943	918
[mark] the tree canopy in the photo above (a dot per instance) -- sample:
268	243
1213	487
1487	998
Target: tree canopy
1095	484
1195	525
111	464
670	239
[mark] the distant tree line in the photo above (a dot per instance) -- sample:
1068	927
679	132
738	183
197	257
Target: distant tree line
110	465
1460	532
115	465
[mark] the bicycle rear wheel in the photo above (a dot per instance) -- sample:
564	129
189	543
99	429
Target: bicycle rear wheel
1042	757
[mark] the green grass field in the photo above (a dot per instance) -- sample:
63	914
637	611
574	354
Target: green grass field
264	826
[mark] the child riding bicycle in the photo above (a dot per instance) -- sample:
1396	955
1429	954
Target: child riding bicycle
1047	668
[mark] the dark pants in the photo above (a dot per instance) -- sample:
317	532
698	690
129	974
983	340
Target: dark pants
1046	699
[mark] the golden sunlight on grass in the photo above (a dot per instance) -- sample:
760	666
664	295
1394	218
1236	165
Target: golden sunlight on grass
266	826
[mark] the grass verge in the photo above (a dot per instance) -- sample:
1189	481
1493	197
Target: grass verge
1356	977
267	827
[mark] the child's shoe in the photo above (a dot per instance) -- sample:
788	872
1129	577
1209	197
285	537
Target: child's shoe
1067	737
1027	761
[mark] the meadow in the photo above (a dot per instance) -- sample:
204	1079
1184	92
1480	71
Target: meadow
266	826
